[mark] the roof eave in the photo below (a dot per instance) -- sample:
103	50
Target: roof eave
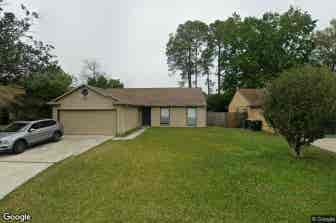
53	102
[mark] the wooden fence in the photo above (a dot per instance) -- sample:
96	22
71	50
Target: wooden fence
226	119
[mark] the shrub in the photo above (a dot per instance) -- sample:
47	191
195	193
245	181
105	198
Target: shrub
299	103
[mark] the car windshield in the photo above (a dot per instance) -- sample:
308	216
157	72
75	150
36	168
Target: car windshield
15	127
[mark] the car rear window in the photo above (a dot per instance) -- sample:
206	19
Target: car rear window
45	124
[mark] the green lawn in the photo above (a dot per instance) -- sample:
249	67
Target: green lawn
183	175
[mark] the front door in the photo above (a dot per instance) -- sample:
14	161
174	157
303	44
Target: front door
146	116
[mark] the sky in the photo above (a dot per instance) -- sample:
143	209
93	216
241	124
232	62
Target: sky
128	37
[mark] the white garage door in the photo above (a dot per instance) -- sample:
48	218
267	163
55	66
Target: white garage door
89	122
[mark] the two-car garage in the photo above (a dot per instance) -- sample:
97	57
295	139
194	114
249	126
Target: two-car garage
89	122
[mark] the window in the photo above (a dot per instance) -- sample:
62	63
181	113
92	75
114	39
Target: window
36	126
165	116
191	116
48	123
15	127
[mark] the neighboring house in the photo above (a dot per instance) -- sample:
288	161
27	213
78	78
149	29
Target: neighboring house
250	101
91	110
8	97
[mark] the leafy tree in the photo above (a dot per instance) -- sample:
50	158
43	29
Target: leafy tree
48	85
325	41
253	51
185	49
41	88
20	54
217	103
91	69
93	76
206	65
299	103
102	82
263	48
223	37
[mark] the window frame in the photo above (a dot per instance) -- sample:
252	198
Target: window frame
162	122
191	124
48	123
35	126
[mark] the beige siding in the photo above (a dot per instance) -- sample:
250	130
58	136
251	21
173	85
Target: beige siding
238	103
178	117
92	101
91	114
88	122
54	113
201	116
128	118
155	116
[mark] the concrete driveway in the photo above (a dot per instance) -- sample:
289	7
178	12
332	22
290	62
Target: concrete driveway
17	169
327	144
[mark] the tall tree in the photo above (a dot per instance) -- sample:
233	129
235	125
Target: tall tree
325	41
41	87
20	54
206	64
102	81
91	69
217	36
261	48
185	48
93	75
223	35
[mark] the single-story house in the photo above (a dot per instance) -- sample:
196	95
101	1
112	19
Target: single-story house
251	102
92	110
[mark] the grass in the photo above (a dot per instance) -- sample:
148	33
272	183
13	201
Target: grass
183	175
330	136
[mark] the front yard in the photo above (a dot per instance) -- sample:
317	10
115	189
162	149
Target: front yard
183	175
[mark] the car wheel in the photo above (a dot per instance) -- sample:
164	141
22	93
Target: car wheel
19	147
57	136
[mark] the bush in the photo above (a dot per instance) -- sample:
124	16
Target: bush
299	103
254	125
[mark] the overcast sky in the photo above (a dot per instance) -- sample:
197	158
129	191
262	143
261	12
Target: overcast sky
128	37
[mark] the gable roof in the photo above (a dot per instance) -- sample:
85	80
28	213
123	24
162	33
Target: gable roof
95	89
150	96
255	97
9	94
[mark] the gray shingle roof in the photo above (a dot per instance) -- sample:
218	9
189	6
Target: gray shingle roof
153	96
158	96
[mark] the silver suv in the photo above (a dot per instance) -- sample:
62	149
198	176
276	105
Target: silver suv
18	136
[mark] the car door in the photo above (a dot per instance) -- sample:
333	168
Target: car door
49	127
34	133
45	130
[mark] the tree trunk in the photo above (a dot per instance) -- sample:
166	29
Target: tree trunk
189	80
208	82
189	68
297	150
195	80
218	69
196	72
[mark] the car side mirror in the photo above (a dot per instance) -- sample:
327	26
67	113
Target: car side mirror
31	130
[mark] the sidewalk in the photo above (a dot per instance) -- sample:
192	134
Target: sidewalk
130	136
327	144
